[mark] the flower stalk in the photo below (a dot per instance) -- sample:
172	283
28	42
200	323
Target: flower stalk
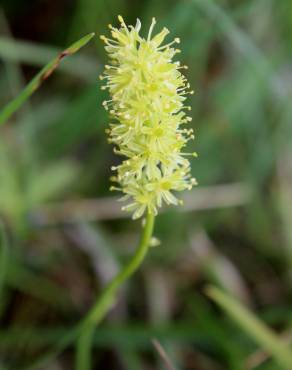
108	296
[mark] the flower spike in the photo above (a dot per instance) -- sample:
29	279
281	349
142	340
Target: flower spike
147	108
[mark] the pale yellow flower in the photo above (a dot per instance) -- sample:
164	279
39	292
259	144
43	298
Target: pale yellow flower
147	107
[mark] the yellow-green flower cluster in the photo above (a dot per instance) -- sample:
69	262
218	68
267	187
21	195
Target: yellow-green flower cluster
147	107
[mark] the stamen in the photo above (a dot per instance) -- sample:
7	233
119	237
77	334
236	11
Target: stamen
151	28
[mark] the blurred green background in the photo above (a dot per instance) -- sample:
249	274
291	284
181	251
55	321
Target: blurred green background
65	235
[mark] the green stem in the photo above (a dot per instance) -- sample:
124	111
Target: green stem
107	298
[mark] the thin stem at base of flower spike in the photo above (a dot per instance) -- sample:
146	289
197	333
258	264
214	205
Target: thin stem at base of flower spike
107	298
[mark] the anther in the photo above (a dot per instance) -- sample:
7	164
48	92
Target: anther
121	19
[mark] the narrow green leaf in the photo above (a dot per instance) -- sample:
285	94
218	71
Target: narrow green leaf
37	55
254	327
35	83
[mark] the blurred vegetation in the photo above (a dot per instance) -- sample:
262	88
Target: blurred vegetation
63	235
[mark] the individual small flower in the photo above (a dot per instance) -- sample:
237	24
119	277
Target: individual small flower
147	109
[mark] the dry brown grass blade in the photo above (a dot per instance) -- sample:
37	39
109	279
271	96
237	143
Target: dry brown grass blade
71	211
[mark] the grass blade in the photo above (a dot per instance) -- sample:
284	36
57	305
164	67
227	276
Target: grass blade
35	83
254	327
34	54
